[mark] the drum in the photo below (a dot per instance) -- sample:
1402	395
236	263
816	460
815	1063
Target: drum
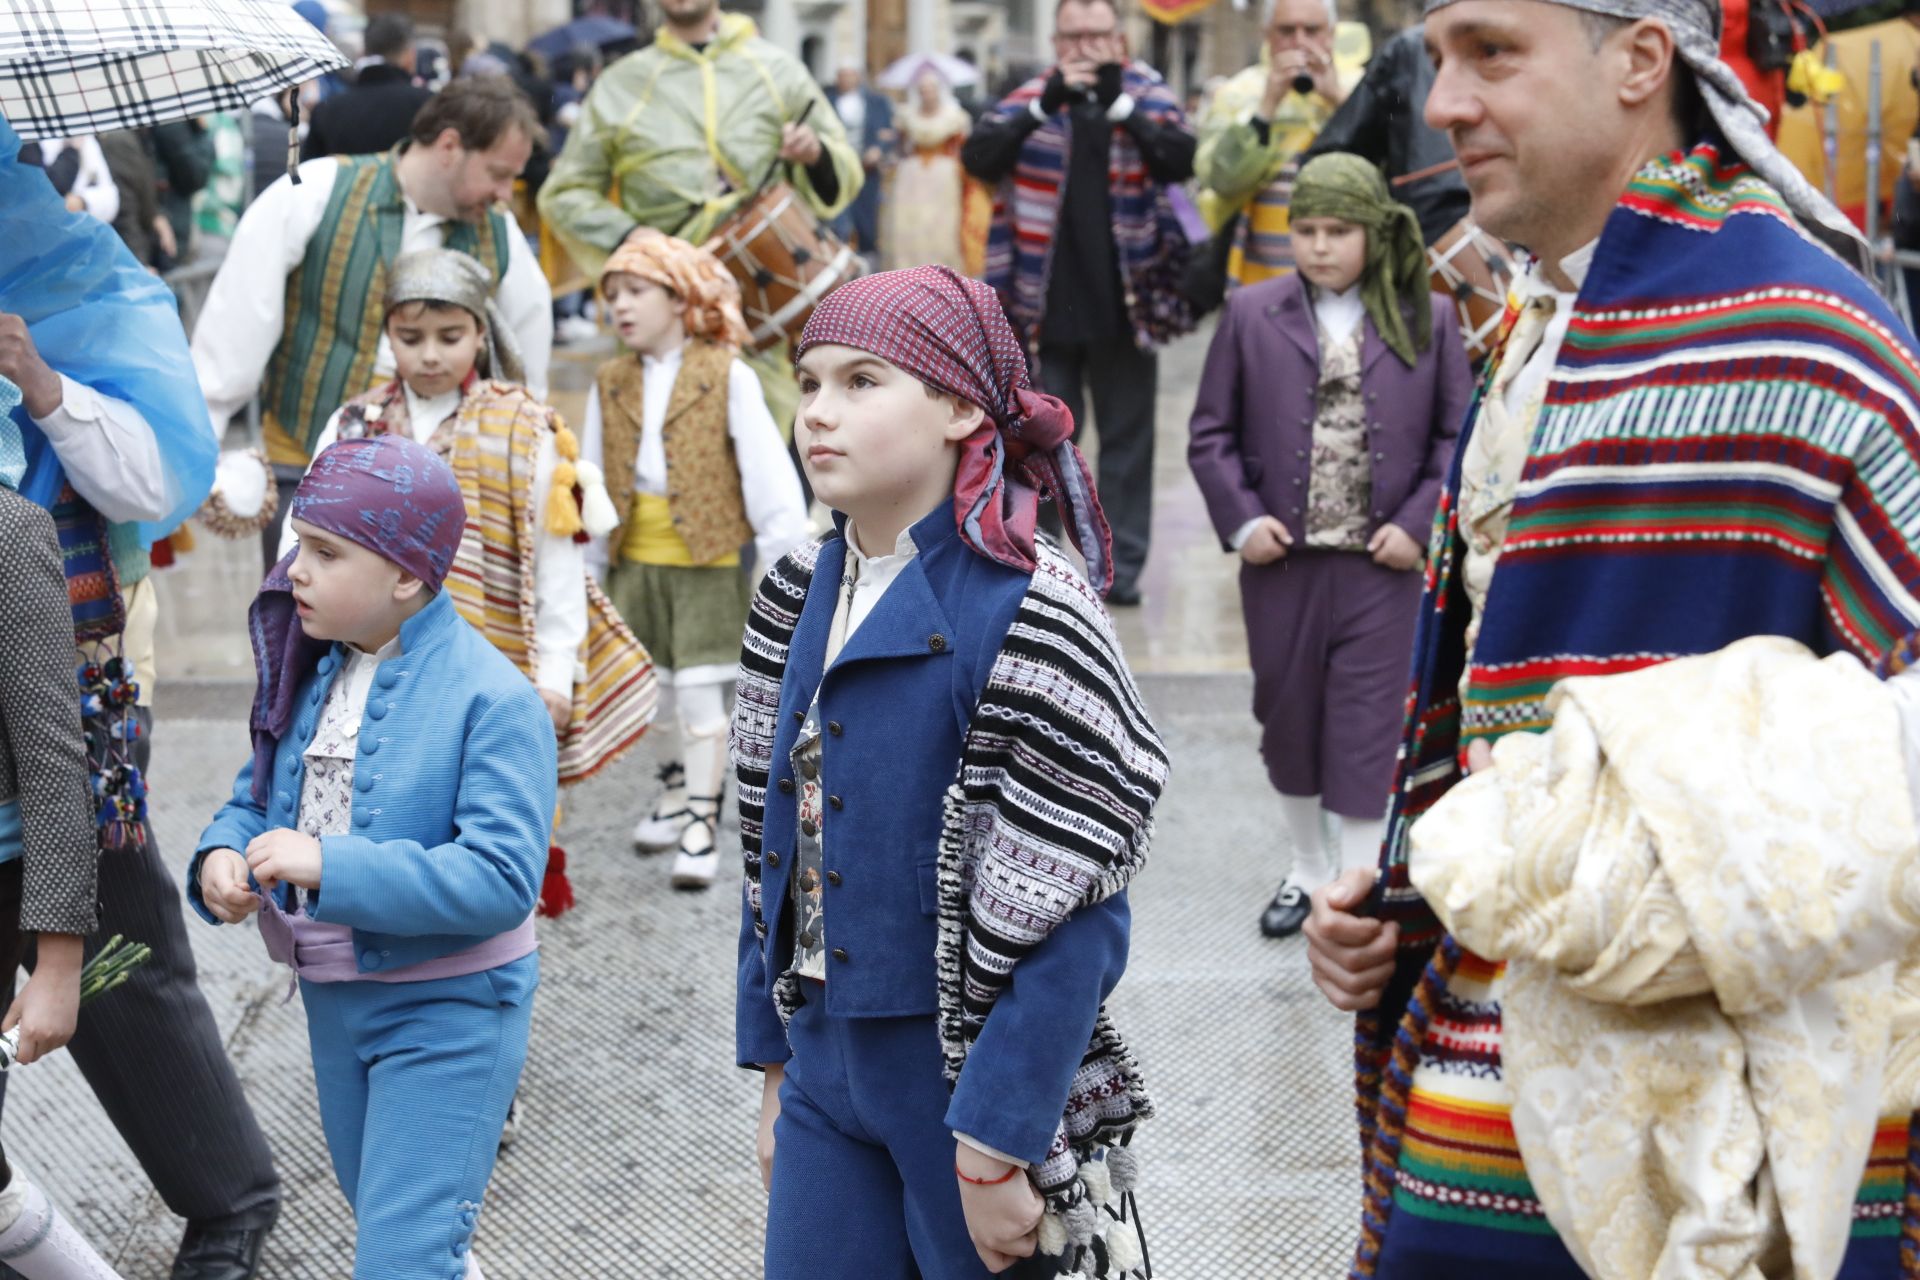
1475	270
785	259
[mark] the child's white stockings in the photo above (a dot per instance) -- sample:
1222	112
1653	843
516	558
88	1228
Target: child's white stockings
1326	844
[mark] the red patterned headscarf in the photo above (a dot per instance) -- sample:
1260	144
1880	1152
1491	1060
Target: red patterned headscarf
951	333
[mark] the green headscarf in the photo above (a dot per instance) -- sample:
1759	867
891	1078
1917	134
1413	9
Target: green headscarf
1345	186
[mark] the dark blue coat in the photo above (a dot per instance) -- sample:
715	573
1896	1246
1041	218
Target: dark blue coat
897	702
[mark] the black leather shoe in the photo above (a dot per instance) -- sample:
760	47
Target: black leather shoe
1286	913
1123	595
227	1251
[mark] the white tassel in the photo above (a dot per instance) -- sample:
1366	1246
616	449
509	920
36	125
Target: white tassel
1052	1239
1123	1247
1099	1182
597	515
1081	1220
1124	1168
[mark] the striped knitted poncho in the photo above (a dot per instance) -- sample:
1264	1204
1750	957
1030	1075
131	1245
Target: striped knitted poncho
1051	809
1729	446
1147	238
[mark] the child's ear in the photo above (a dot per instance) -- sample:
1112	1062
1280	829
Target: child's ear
963	419
408	588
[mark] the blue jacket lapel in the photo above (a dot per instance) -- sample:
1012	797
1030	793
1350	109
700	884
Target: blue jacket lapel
904	623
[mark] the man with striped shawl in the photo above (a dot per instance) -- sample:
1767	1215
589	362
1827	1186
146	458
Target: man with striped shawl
1703	427
1085	249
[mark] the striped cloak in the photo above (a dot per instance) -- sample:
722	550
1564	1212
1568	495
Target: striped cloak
1729	446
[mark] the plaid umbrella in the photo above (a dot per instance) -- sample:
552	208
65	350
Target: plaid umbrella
69	68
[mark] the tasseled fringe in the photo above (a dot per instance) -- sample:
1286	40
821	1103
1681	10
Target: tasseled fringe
1390	1114
1093	1226
596	504
556	891
563	507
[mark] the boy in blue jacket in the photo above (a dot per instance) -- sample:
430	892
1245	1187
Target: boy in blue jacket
391	830
947	778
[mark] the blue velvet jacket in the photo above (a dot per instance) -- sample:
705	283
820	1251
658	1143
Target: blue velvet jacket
898	701
454	789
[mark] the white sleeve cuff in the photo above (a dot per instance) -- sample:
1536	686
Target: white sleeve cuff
1245	531
1033	109
553	670
1122	108
986	1150
78	404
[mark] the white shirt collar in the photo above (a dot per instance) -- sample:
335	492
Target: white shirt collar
391	649
1533	283
427	413
671	360
903	550
1338	314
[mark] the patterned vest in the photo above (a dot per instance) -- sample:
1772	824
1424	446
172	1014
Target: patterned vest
491	443
336	301
703	479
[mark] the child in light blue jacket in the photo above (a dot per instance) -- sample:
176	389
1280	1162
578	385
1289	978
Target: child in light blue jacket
391	831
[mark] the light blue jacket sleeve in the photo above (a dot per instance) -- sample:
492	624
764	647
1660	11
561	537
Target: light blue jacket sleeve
1013	1088
234	827
484	881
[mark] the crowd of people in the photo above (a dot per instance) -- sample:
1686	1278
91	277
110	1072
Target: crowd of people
1583	637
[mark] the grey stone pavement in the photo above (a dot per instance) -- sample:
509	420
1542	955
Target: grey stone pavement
636	1154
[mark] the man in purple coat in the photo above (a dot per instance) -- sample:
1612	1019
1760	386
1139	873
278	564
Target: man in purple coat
1324	426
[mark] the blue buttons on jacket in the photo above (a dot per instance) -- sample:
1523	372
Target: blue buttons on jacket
462	860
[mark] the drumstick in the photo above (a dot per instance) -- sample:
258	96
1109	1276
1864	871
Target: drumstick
1431	171
773	170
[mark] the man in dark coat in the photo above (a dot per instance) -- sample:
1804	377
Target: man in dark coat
375	113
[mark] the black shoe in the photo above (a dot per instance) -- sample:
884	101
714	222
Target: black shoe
223	1252
1123	595
1286	913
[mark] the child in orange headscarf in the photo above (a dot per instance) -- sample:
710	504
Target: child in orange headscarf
696	469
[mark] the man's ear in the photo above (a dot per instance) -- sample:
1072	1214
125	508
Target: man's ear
1648	52
963	419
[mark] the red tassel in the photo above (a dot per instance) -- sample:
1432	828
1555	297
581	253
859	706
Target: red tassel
556	891
161	554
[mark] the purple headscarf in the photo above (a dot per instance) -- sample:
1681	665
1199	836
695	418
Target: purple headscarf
386	493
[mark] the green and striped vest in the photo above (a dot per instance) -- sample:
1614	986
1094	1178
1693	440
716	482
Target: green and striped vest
335	301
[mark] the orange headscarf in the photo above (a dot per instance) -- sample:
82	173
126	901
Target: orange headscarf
694	276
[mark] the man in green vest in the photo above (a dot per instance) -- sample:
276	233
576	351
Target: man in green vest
681	133
294	316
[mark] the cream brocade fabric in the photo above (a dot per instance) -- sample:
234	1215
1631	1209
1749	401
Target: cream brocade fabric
1340	476
1710	922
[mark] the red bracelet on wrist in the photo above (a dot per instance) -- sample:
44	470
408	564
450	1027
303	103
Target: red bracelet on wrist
986	1182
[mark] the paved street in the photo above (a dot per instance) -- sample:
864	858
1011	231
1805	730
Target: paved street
636	1156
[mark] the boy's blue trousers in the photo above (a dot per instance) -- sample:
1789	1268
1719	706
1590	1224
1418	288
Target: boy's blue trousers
415	1079
863	1182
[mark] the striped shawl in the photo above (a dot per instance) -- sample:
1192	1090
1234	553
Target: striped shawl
1152	249
1051	810
1729	446
495	440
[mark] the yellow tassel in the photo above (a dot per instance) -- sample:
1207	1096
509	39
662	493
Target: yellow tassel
182	539
563	509
564	442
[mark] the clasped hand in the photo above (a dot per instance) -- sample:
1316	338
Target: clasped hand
281	856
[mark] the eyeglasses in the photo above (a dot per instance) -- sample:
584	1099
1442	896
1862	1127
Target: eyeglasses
1070	38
